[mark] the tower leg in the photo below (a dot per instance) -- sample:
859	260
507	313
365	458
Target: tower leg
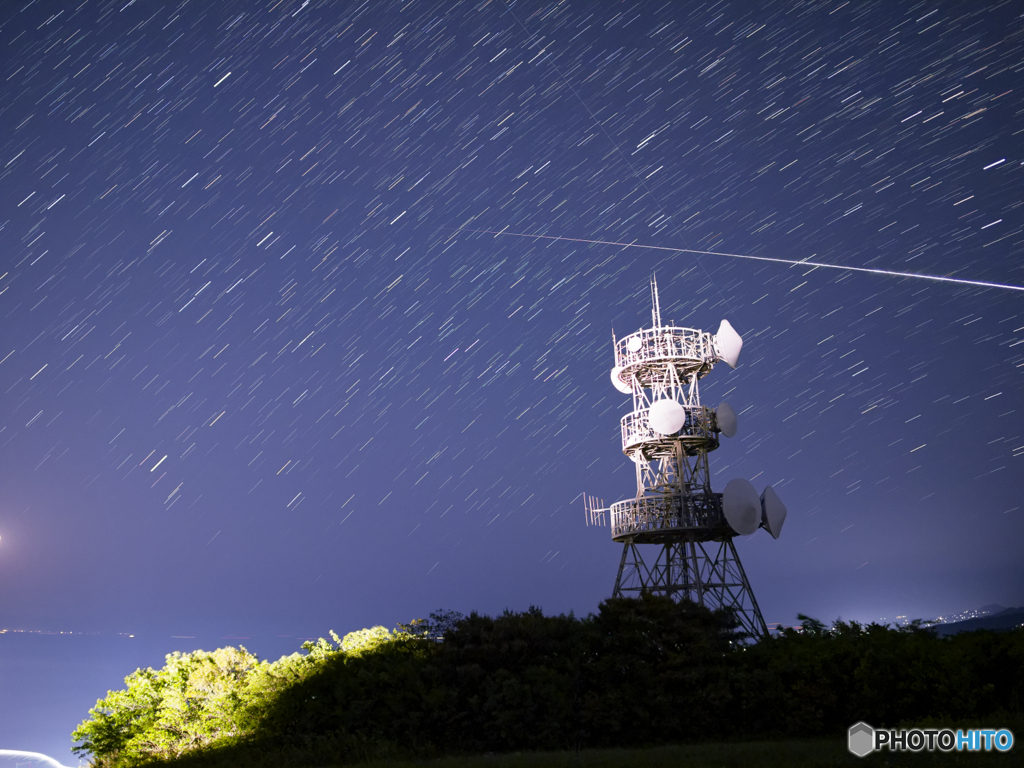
706	573
617	592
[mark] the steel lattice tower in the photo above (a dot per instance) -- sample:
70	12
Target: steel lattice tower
677	534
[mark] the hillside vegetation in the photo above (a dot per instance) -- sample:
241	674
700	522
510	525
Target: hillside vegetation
638	673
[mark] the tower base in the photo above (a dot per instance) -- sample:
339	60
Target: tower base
708	573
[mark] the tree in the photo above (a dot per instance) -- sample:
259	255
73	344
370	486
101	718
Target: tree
197	699
119	719
436	627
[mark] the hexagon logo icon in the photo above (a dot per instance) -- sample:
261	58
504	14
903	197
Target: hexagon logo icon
861	739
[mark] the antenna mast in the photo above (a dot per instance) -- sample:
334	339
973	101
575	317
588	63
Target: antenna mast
685	529
656	304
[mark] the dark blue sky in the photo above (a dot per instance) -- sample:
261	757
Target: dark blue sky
256	382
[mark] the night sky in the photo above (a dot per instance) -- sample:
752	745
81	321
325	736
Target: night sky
259	381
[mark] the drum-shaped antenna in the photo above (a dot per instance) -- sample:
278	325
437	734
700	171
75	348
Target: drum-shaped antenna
666	417
618	383
773	512
742	506
634	344
729	344
725	416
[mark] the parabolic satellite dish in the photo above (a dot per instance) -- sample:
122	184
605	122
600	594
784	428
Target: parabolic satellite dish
773	512
742	506
634	343
618	383
729	343
726	418
666	417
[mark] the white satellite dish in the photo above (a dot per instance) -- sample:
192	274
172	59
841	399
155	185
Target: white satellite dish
666	417
773	512
726	418
618	383
634	344
729	344
742	506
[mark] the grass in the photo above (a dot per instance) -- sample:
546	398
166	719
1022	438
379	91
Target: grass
755	754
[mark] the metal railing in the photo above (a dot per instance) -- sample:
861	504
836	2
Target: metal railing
666	343
700	428
652	516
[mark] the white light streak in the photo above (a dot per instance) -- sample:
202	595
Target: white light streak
794	262
36	757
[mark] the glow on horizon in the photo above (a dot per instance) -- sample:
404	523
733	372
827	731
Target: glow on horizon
793	262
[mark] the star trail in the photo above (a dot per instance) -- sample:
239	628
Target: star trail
307	306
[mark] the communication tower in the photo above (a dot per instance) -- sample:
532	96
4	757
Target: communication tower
677	534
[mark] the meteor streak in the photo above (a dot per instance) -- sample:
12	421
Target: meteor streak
793	262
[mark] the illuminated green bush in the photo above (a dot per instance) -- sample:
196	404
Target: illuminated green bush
638	673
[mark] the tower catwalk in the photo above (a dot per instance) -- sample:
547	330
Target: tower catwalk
677	534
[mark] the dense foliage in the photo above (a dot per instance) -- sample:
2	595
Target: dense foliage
639	672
